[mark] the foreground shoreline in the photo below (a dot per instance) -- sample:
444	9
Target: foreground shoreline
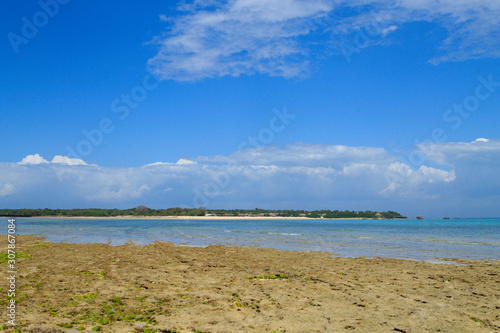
161	287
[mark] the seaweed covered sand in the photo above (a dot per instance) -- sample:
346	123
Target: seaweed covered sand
165	288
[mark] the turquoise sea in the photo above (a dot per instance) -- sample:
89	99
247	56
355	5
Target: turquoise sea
402	239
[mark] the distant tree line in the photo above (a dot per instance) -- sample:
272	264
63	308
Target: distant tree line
201	211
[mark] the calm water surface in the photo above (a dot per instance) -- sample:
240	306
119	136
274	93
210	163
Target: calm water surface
401	239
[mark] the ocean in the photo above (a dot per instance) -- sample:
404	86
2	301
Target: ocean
426	239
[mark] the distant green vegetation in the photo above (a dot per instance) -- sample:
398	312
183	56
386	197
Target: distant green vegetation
201	211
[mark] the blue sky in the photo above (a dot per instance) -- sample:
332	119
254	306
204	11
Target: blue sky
277	104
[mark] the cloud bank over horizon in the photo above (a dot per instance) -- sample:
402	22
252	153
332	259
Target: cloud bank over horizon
244	37
455	178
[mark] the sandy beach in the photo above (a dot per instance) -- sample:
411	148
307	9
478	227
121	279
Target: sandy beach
165	288
198	217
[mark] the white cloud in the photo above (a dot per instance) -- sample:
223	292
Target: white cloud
472	26
309	176
305	154
33	159
476	166
245	37
481	140
181	161
58	159
184	161
67	160
239	37
298	175
157	164
456	153
121	193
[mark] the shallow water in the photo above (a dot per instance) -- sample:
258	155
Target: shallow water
399	239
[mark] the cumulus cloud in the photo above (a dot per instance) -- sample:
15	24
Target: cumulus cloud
305	155
58	159
294	176
33	159
184	161
481	140
67	160
476	165
281	37
181	161
457	153
456	177
404	181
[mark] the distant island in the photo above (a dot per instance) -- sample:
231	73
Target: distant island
143	211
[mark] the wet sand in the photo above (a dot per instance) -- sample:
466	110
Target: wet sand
165	288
